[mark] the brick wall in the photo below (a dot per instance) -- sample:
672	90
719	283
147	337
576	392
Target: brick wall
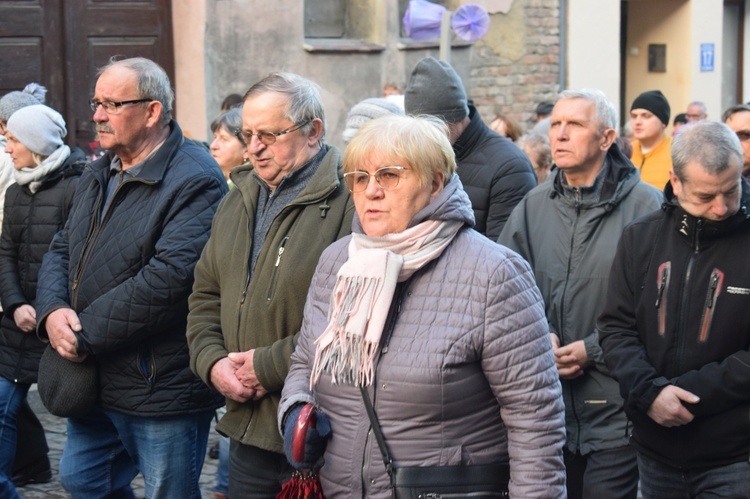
516	65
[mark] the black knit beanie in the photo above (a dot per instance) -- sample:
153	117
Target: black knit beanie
436	89
654	102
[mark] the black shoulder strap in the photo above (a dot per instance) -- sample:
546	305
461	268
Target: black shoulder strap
377	431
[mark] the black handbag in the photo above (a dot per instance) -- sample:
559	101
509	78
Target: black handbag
435	482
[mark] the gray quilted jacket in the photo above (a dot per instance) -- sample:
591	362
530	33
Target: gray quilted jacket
467	377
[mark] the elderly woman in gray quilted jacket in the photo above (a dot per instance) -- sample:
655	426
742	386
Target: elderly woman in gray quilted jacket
445	329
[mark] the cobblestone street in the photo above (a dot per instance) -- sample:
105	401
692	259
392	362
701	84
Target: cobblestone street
56	434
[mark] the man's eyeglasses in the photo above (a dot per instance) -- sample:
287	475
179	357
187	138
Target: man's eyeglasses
386	177
743	135
267	138
114	107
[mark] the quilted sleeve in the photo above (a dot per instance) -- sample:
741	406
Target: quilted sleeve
518	362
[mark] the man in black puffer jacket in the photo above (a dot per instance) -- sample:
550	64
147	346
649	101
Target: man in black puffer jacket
115	285
495	173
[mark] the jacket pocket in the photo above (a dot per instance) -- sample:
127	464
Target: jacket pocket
662	291
146	366
714	290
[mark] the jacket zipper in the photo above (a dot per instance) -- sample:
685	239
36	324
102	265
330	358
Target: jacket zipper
684	302
279	254
87	247
94	232
714	290
662	293
561	328
323	208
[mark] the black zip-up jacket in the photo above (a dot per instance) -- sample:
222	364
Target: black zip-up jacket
29	224
128	275
676	313
495	173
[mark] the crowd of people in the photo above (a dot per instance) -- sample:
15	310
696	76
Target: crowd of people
557	309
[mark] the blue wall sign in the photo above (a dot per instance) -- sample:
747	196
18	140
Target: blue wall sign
707	56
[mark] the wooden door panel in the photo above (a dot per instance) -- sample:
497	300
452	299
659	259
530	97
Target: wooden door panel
123	29
61	44
30	48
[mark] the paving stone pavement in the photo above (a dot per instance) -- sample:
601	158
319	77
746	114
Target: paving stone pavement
55	428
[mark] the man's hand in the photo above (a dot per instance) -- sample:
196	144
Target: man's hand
569	359
246	372
25	317
62	324
223	378
667	408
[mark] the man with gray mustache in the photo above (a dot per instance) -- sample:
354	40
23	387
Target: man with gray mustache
114	286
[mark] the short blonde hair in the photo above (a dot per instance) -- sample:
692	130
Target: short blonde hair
421	141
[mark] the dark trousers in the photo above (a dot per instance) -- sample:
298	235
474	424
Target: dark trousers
31	443
660	481
256	473
611	473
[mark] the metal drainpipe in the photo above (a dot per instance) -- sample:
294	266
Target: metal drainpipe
563	43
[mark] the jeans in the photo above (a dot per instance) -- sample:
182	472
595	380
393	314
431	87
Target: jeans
659	481
610	473
12	395
106	449
256	473
222	473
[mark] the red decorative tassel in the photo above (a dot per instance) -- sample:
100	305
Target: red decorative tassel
302	485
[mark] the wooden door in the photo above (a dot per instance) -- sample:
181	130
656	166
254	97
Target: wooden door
62	44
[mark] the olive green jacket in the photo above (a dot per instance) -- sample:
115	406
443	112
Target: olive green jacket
229	313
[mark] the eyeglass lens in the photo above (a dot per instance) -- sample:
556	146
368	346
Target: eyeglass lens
386	177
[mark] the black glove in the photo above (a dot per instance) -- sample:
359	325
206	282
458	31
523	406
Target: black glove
318	431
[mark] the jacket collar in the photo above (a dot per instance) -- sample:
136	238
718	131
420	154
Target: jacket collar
155	167
325	180
695	230
619	179
475	130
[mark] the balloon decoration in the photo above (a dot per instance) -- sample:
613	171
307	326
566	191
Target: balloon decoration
470	22
422	21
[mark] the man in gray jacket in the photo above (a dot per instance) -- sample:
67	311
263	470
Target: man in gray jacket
568	229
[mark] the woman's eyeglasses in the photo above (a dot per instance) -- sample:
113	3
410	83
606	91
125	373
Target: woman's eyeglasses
386	177
267	138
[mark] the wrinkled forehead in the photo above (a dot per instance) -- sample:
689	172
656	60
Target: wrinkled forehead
265	111
116	82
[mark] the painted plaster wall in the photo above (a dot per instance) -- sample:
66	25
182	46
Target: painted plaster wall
224	46
707	18
189	21
593	53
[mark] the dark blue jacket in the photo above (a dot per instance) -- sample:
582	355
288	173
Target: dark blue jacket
128	276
